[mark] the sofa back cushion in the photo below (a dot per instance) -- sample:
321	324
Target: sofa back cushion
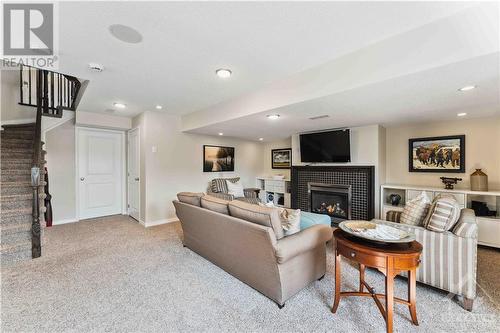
266	216
443	214
192	198
218	185
215	204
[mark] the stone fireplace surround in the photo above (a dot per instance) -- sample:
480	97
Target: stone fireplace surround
360	178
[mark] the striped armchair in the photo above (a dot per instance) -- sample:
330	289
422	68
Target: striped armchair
218	188
449	259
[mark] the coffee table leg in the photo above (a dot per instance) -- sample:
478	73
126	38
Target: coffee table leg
389	296
361	277
412	293
337	282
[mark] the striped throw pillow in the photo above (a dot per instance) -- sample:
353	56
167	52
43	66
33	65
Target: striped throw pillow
444	215
416	210
219	184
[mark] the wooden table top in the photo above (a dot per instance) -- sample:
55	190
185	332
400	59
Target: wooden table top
388	249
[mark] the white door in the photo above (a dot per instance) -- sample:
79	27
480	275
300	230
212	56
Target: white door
133	179
100	167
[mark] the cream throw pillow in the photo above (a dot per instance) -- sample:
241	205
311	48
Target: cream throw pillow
235	189
415	210
290	221
290	218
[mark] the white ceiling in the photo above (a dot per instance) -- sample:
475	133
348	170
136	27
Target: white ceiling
358	62
185	42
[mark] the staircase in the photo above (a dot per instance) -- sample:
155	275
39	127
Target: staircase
23	160
16	146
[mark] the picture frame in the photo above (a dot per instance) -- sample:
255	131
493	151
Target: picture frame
440	154
218	158
281	158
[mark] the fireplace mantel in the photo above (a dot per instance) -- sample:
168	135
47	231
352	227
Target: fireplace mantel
360	178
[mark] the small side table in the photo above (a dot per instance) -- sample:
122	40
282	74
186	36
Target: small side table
390	259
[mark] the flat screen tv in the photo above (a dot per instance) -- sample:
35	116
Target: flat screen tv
331	146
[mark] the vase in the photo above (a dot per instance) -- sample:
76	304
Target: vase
478	181
395	199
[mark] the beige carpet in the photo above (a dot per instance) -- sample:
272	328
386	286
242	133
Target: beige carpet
112	274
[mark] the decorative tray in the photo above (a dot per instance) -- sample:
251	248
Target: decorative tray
376	232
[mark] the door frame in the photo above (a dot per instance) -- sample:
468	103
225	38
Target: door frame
122	171
138	129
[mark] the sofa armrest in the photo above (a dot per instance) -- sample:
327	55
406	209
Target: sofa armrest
223	196
303	241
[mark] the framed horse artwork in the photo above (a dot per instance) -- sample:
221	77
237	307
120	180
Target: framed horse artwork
437	154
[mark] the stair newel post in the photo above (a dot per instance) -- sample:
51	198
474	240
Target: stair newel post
41	93
36	246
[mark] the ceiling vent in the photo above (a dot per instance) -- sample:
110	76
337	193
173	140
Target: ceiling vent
319	117
95	67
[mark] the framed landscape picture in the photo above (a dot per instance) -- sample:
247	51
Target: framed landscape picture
437	154
218	158
281	158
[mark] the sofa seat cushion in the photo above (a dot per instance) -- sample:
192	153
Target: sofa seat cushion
308	219
215	204
192	198
266	216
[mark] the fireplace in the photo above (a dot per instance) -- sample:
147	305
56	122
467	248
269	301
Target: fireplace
334	200
360	179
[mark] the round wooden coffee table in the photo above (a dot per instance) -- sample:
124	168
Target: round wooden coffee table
390	259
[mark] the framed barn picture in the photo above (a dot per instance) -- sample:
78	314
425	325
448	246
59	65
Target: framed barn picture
281	158
437	154
218	158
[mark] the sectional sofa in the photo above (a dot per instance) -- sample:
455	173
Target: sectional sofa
248	242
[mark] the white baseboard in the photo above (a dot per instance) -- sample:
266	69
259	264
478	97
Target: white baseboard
65	221
159	222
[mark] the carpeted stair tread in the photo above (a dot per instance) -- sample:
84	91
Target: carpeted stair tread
17	147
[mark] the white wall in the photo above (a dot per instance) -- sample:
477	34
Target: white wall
178	163
60	147
100	120
482	150
367	148
267	166
10	109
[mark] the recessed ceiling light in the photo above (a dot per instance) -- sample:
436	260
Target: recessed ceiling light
462	114
125	33
467	88
273	116
158	107
119	105
261	139
223	73
221	134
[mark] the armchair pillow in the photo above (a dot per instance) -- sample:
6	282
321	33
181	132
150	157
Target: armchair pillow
219	185
444	214
235	189
416	210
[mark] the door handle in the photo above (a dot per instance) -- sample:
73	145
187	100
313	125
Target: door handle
137	179
82	178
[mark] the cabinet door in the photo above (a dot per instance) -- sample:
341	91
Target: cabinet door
460	197
412	194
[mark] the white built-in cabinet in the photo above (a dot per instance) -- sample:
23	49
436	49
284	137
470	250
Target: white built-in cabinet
274	190
489	226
